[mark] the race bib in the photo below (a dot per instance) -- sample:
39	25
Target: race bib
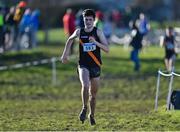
170	46
89	47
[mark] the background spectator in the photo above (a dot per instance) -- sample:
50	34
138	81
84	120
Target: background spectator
169	45
136	43
79	19
2	46
69	24
34	25
10	25
99	20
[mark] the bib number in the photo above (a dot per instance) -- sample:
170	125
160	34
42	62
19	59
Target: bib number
89	47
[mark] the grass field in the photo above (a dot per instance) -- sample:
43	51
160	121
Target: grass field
29	100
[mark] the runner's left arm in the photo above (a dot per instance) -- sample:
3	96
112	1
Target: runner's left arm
103	41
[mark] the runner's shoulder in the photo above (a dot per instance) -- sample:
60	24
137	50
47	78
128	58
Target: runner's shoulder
78	31
99	32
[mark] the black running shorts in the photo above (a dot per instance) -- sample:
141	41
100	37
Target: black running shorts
93	71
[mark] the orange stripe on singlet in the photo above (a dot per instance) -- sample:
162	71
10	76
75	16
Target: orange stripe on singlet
92	55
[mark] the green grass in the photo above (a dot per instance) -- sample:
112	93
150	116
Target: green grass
62	115
29	100
55	35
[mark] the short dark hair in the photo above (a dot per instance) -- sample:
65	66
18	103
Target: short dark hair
89	12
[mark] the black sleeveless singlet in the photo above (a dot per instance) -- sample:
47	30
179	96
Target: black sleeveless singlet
84	58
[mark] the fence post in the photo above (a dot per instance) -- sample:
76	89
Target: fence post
169	92
53	70
157	91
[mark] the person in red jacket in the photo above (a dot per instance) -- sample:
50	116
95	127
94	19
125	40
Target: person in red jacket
69	24
19	12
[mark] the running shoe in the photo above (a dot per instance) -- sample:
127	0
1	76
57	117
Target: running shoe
92	120
82	115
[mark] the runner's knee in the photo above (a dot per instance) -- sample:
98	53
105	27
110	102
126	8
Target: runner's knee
85	86
92	97
92	94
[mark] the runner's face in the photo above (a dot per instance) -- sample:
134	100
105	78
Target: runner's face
88	21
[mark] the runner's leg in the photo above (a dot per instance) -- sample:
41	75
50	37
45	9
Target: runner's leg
166	64
92	94
85	83
170	64
84	79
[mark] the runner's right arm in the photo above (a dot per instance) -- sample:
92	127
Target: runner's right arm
64	57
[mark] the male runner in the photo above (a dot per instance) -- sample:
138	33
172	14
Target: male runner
91	40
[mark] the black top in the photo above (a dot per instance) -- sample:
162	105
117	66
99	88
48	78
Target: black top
169	43
137	39
84	58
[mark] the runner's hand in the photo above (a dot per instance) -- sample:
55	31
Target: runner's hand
63	59
92	39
